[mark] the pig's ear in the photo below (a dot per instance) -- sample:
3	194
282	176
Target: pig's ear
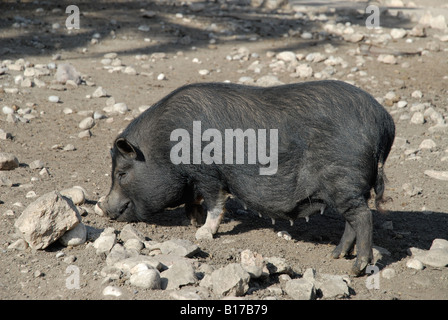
125	148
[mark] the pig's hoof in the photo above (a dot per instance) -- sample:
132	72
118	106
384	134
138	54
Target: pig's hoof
204	233
338	253
359	267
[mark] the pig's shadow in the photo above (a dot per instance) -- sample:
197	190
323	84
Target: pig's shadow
395	231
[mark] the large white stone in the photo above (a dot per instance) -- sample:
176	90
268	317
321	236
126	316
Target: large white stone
47	219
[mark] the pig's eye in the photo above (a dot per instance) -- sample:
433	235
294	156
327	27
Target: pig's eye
121	175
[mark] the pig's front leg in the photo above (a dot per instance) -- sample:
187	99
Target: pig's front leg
215	213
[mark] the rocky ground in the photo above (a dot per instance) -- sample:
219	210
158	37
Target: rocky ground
65	95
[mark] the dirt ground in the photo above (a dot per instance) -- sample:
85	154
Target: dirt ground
184	35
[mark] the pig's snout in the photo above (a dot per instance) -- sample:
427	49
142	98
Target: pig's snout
115	208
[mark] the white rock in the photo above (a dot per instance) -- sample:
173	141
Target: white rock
75	236
66	71
204	72
253	263
46	219
268	80
130	70
161	77
417	118
180	274
7	110
427	144
148	279
402	104
99	92
179	247
388	273
300	289
304	71
398	33
134	244
438	22
77	195
112	291
129	232
87	123
286	56
120	107
105	241
439	244
230	280
54	99
417	94
332	286
144	28
435	257
8	161
284	234
415	264
387	59
439	175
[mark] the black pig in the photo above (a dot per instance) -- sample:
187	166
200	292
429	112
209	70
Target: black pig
326	148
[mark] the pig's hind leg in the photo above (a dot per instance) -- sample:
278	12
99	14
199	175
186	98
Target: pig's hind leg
358	228
215	212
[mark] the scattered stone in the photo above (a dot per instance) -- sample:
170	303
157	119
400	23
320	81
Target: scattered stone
268	80
439	175
303	71
8	161
147	279
179	247
436	256
204	72
253	263
388	273
76	194
161	77
284	234
47	219
66	71
120	108
5	135
19	245
112	291
129	232
277	265
415	264
54	99
99	92
332	286
418	118
286	56
180	274
427	144
116	254
231	280
398	33
411	190
300	289
105	241
387	59
75	236
87	123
